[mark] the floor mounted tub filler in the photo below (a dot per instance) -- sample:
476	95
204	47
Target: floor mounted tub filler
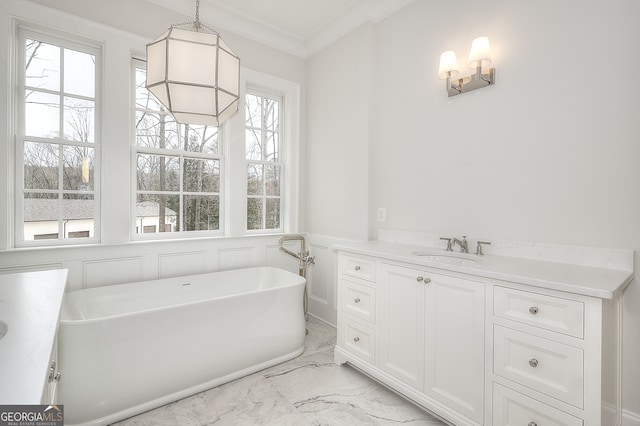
128	348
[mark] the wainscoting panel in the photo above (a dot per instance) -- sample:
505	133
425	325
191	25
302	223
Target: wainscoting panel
322	285
103	272
177	264
236	258
281	260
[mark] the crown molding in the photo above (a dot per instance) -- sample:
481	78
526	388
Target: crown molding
227	19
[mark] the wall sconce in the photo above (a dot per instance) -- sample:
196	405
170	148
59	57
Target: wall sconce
479	58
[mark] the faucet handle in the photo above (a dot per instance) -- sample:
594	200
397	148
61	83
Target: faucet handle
448	240
479	247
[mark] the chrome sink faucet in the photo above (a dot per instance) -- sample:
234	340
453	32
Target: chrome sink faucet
464	245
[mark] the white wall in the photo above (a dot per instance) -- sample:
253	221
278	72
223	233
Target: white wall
337	161
549	154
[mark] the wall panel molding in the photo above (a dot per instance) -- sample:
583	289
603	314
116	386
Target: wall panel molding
103	272
236	257
185	263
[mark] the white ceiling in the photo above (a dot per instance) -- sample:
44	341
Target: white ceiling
299	27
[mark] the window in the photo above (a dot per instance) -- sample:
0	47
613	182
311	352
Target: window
263	154
57	140
239	179
178	170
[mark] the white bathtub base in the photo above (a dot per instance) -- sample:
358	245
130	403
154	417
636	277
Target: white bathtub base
130	348
167	399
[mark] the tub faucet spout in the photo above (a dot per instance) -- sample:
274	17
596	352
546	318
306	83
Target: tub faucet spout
303	255
292	237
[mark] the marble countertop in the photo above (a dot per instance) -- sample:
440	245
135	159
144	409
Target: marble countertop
30	306
584	280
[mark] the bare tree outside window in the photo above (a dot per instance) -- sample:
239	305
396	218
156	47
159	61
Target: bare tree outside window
58	141
264	165
178	173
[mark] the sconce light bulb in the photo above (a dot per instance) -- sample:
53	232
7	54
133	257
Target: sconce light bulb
480	54
448	65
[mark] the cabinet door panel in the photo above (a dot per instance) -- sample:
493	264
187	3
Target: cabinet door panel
400	310
455	343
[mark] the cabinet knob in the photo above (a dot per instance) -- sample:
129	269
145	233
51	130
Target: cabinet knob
422	279
357	268
532	424
356	339
533	310
356	300
58	376
533	362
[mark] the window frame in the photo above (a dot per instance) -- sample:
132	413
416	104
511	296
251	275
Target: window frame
282	148
23	31
222	136
289	93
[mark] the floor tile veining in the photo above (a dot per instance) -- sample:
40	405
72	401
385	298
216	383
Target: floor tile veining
308	390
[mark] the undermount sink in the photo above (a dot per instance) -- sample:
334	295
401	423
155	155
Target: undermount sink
453	258
3	329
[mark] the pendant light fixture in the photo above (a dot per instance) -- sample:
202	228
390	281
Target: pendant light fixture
194	73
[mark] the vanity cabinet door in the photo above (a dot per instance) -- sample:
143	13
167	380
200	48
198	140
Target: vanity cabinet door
454	371
400	310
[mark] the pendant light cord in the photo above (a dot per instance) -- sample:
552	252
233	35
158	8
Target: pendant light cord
197	22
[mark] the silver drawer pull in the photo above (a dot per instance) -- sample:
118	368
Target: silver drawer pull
356	300
533	362
357	268
52	371
533	310
420	279
532	424
356	339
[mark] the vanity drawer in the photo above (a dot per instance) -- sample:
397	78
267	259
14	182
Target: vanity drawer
512	408
548	312
552	368
358	267
358	340
358	300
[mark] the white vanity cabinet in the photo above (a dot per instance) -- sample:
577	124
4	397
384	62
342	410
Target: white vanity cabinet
485	341
556	357
431	335
417	330
30	304
357	307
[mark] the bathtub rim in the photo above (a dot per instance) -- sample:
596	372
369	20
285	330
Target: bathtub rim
300	281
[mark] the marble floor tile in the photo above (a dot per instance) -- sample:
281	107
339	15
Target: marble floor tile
309	390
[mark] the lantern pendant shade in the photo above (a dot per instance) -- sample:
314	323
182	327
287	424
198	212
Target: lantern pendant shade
195	74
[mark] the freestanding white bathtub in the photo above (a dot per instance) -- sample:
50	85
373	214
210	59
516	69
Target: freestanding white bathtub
125	349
